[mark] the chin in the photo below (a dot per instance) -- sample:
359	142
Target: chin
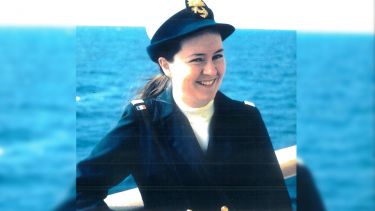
207	99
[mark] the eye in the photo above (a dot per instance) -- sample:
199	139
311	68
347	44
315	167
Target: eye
217	56
197	60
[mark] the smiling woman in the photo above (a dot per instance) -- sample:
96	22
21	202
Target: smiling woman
187	145
197	69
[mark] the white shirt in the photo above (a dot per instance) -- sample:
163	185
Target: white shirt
199	119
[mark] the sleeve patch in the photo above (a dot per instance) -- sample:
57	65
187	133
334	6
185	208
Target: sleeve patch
139	104
139	101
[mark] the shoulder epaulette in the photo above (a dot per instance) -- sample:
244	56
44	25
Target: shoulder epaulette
249	103
139	104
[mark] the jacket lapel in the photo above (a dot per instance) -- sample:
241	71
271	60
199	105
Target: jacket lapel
180	134
184	140
220	147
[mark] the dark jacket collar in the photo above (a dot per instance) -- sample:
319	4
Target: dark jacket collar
165	104
167	112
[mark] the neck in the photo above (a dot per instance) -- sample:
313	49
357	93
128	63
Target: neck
185	107
182	104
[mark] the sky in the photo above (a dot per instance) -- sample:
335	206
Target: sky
304	15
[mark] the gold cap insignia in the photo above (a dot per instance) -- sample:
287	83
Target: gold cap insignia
198	6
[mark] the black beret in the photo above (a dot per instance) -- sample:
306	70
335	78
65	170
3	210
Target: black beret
195	17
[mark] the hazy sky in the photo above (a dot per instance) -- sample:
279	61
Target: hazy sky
312	15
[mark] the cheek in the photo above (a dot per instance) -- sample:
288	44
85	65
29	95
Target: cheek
221	68
182	79
185	74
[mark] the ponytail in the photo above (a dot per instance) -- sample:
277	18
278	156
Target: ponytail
160	82
154	86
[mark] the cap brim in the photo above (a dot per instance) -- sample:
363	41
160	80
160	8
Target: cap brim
225	31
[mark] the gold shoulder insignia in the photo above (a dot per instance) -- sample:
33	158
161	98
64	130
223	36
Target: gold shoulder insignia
198	6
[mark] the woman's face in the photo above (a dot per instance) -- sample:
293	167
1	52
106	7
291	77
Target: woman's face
197	69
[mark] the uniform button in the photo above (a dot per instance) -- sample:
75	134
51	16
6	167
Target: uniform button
224	208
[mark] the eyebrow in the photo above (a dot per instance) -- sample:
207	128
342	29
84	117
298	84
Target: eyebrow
202	54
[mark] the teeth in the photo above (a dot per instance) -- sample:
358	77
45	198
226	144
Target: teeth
207	83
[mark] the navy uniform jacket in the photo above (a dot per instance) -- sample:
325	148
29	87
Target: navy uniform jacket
239	169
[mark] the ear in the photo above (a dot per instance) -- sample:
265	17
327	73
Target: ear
164	64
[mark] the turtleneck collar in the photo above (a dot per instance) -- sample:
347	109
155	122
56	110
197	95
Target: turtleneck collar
190	110
199	119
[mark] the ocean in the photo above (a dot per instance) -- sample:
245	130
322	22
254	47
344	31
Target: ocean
63	89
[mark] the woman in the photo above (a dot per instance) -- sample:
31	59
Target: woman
187	145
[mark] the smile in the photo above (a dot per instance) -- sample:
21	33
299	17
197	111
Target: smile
207	83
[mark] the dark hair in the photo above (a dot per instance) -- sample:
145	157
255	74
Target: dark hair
160	82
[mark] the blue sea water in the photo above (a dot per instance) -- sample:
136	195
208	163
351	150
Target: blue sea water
37	116
335	116
315	90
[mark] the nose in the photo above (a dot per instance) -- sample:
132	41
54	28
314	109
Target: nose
210	68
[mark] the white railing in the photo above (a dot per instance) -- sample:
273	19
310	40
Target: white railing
287	158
